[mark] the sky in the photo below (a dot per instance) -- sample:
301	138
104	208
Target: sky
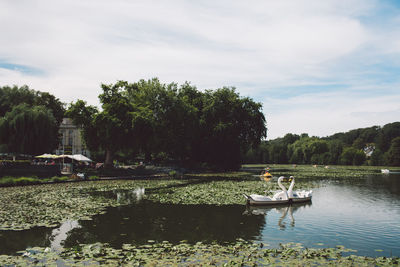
318	67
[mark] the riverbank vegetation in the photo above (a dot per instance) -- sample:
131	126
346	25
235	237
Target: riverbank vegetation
373	146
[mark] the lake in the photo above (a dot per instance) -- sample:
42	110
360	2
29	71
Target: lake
361	214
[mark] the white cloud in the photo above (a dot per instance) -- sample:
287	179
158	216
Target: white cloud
324	114
262	47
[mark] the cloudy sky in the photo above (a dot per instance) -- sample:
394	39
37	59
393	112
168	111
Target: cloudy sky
318	67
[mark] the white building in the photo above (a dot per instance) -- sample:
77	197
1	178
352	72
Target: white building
71	141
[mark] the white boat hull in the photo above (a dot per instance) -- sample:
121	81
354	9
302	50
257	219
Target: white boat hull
268	202
264	200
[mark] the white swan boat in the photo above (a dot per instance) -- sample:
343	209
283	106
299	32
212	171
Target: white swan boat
298	196
385	171
281	197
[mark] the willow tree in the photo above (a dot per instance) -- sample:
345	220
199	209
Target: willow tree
29	130
14	96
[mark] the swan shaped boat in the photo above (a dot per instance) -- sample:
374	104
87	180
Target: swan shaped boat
298	196
281	197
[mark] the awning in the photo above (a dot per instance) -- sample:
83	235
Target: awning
47	156
77	157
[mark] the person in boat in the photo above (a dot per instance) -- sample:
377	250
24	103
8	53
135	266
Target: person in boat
266	175
266	170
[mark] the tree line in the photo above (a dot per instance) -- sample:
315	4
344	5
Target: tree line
376	146
170	122
145	119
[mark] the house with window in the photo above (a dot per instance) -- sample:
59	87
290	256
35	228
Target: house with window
71	140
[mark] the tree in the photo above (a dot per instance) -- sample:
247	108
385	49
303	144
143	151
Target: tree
359	158
110	129
182	123
393	155
335	150
83	116
24	115
230	124
191	126
13	96
377	158
352	156
387	133
29	130
346	158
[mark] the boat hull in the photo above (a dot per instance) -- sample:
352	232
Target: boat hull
271	202
265	202
300	199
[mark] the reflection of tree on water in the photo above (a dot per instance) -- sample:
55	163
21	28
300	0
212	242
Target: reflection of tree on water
129	196
283	210
122	196
386	183
148	220
13	241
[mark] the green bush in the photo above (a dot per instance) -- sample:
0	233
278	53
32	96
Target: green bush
26	180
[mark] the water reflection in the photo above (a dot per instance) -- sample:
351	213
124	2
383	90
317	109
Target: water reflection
59	235
123	196
129	196
147	220
13	241
284	211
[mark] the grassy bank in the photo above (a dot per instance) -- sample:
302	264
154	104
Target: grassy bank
14	181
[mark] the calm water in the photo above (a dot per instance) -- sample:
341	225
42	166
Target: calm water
362	214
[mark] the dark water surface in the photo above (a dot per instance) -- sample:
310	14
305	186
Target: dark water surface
362	214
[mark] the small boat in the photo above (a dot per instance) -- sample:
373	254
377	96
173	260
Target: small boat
279	197
266	176
385	171
298	196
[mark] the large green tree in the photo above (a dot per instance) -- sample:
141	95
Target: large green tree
352	156
110	129
193	126
29	130
180	122
229	125
29	120
13	96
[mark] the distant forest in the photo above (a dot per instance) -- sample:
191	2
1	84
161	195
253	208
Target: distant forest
375	146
